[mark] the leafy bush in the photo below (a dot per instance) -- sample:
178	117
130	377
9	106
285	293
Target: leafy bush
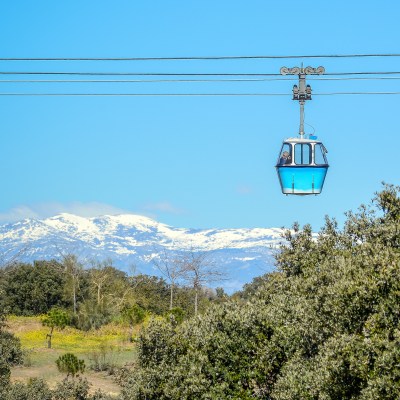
35	389
70	364
325	326
76	389
177	313
10	353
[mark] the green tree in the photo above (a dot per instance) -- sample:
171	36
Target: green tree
70	364
32	289
151	293
133	315
55	318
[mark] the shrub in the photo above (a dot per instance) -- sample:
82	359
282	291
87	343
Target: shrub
76	389
325	326
70	364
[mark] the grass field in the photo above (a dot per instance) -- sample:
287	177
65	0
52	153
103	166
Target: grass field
110	344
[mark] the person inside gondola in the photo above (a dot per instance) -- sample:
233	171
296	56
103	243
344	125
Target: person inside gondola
285	158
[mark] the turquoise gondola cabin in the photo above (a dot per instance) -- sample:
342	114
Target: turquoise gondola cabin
302	166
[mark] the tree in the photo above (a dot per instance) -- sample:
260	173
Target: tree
32	289
55	318
73	270
171	269
109	290
110	287
198	270
150	292
133	315
70	364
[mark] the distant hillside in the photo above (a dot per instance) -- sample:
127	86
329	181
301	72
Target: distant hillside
136	240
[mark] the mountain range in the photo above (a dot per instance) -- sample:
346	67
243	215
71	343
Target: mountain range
134	240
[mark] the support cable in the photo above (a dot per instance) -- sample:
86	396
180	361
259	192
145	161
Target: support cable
180	74
206	58
190	94
186	80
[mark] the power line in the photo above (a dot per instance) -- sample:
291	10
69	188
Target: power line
189	94
138	80
146	94
375	78
355	93
289	78
182	74
132	73
268	57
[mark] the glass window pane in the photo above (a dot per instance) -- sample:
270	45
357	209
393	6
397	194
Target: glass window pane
302	154
319	155
285	156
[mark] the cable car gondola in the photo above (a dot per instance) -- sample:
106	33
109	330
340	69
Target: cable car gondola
302	164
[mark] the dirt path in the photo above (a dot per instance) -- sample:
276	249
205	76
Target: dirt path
98	380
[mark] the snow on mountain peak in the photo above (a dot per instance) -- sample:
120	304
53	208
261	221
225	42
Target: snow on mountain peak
135	239
133	220
71	223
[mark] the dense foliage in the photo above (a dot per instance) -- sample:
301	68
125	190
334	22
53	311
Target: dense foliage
37	389
325	326
32	289
93	296
70	364
10	353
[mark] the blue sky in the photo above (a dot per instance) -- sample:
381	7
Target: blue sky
197	161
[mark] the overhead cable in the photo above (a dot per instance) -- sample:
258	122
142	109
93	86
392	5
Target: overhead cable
189	94
289	78
181	74
196	58
131	73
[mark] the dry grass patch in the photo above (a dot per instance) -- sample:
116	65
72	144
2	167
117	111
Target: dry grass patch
111	342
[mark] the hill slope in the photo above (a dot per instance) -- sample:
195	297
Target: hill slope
134	240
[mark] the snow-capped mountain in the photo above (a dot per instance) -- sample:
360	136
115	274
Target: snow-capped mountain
135	240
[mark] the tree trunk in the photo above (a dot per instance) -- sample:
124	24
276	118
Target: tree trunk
74	294
172	296
48	337
195	301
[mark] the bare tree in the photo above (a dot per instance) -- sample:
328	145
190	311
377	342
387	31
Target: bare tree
110	286
199	270
11	257
99	275
73	269
171	268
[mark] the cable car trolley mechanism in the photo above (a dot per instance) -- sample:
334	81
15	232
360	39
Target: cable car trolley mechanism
302	164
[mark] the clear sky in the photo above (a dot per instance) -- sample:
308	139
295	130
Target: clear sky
192	161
